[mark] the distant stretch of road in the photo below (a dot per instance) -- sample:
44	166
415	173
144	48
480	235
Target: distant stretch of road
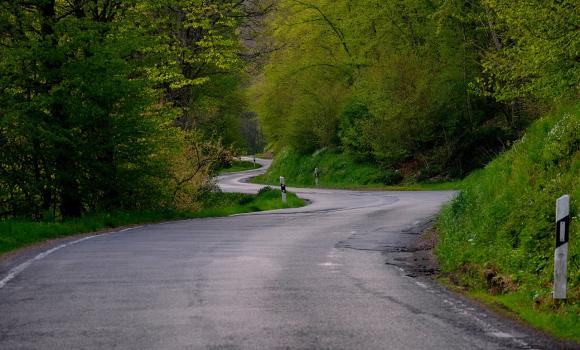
324	276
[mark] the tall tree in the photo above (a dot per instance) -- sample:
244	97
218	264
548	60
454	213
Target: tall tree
90	92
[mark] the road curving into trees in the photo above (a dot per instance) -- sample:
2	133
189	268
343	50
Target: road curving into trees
330	275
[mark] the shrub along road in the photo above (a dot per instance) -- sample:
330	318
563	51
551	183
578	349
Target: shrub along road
306	278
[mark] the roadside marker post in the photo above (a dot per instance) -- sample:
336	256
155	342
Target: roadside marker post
283	189
561	252
316	176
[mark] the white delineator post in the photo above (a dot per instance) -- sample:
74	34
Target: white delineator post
316	176
561	253
283	188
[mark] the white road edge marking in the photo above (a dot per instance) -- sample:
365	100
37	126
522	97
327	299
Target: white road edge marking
20	268
487	327
422	285
501	335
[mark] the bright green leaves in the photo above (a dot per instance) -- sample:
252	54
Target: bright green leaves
538	52
218	23
199	40
388	57
356	122
445	82
306	78
199	65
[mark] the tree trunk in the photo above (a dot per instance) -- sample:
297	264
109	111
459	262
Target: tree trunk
71	205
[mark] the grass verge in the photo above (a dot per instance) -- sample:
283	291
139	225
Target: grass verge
15	234
224	204
239	165
337	170
560	321
497	237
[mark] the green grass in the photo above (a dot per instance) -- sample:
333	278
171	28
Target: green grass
338	170
559	321
224	204
15	234
239	165
497	236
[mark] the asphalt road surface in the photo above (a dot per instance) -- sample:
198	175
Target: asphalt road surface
318	277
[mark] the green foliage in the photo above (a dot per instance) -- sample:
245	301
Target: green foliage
561	322
76	118
503	219
198	62
336	170
356	121
300	95
224	204
536	50
435	87
384	81
195	39
114	105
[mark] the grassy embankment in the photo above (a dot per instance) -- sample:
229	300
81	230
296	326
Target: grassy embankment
337	171
16	234
497	237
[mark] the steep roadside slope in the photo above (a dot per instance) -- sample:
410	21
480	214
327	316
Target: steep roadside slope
497	237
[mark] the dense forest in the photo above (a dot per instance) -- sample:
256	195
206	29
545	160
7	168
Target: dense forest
432	88
111	104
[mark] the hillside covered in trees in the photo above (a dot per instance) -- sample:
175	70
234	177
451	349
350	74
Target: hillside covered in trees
430	88
126	105
108	105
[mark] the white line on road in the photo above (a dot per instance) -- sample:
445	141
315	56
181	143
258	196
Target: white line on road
422	285
20	268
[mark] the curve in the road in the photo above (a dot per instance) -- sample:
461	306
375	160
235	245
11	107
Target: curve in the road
304	278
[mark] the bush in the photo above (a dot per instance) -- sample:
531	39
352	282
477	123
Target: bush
246	199
354	121
265	190
335	167
391	177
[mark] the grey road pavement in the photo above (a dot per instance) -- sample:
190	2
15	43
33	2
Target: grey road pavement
317	277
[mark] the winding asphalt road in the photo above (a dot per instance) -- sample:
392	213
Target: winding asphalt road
320	277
